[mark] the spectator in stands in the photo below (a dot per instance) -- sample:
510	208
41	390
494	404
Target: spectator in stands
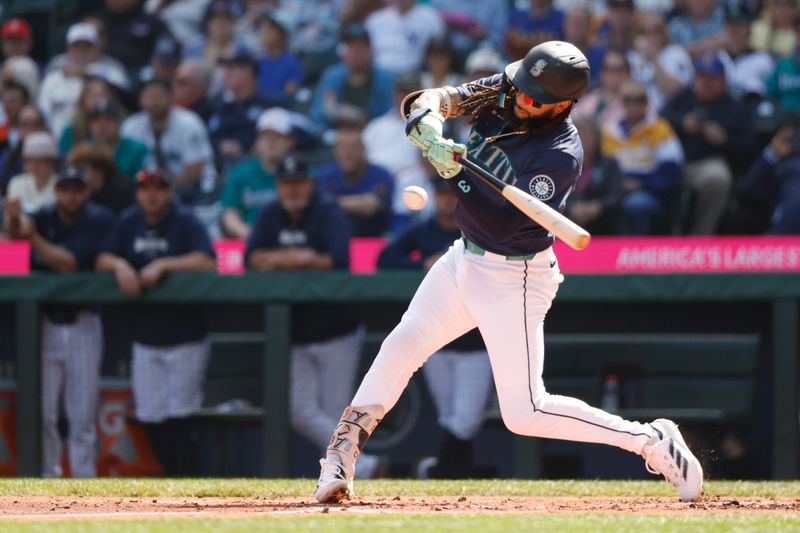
664	68
280	71
618	30
232	123
190	88
746	71
355	90
774	31
36	187
251	184
107	186
596	201
95	90
61	88
441	66
784	83
714	131
471	22
86	35
413	26
700	29
462	365
363	190
540	21
183	18
135	33
104	122
170	344
16	38
773	181
650	158
65	237
602	103
304	230
176	138
164	63
13	97
29	120
24	71
248	19
576	29
220	41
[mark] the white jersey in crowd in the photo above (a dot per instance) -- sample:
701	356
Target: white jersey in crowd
58	96
674	60
184	142
23	186
399	40
748	73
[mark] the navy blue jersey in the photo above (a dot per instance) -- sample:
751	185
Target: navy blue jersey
82	239
545	164
140	243
324	228
426	238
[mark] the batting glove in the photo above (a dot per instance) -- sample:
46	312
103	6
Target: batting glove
424	127
442	155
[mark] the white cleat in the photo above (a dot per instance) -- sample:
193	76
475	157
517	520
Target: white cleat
334	484
671	458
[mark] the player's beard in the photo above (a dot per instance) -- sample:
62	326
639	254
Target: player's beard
549	120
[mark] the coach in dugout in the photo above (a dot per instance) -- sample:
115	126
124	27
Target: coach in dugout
170	345
304	230
65	238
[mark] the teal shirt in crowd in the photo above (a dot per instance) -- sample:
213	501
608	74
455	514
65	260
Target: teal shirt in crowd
247	189
131	156
784	84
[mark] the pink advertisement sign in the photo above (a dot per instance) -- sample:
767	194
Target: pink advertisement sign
15	257
661	255
230	256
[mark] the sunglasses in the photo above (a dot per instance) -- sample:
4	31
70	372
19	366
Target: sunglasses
527	100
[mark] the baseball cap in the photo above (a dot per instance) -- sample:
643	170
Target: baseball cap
710	64
484	59
40	144
82	32
16	29
739	11
293	168
167	51
218	7
275	119
241	58
355	31
71	175
152	177
104	107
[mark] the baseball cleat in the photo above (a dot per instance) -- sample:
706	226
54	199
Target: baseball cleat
671	458
334	484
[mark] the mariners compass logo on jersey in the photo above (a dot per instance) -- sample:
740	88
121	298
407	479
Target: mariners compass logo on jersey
542	187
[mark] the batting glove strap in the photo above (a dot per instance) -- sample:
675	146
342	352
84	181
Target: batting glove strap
442	155
423	127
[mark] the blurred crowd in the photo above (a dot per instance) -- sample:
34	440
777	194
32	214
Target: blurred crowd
688	127
159	126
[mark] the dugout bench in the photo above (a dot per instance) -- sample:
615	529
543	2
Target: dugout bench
778	294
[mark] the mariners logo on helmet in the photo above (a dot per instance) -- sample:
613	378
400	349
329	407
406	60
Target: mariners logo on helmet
542	187
538	67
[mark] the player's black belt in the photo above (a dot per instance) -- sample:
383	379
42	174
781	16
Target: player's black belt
477	250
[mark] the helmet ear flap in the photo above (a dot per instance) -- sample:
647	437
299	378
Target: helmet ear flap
505	89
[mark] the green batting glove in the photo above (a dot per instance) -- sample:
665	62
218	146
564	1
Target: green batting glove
424	127
442	155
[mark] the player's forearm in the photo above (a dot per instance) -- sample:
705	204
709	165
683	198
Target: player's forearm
57	258
191	262
234	224
443	100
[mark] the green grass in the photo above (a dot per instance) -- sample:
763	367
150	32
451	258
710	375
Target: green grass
610	523
383	487
339	521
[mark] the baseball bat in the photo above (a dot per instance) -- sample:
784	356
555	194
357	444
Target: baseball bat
544	215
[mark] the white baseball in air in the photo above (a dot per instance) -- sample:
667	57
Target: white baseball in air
415	197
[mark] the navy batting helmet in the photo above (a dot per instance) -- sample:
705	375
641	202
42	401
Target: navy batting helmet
554	71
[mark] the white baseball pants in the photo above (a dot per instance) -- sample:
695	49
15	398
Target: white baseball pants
507	301
460	383
167	381
71	355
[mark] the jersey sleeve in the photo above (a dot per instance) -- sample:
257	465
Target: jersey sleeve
86	248
470	88
198	240
232	191
397	253
337	238
261	234
115	239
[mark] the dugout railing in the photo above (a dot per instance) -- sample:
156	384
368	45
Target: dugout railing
776	294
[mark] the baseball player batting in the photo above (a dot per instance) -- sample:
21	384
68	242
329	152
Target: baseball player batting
502	275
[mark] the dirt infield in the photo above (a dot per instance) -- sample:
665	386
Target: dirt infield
38	508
